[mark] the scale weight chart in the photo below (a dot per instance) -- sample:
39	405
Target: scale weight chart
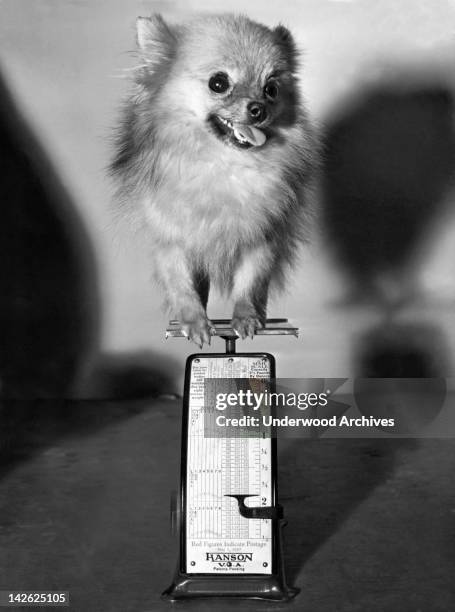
229	522
218	538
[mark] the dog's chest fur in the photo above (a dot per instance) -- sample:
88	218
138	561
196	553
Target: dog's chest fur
203	201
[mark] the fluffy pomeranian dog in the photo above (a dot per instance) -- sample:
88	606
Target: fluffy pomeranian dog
215	154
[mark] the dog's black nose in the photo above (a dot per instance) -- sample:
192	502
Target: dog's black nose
257	111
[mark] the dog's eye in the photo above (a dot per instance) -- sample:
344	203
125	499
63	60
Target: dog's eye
271	90
219	82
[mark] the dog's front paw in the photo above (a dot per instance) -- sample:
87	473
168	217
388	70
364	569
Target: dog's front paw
246	325
199	330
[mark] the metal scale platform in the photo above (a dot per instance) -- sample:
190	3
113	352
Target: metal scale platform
227	514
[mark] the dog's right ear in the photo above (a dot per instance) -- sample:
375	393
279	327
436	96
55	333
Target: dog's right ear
154	38
286	41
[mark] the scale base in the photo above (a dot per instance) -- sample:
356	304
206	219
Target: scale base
244	586
189	586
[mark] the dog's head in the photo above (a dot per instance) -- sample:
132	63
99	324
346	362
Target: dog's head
226	74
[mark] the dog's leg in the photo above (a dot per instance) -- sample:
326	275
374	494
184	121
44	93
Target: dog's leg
250	290
202	285
186	294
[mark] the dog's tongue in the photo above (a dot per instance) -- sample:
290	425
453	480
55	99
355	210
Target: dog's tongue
254	136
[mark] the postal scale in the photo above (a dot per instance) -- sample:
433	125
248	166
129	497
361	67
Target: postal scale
226	514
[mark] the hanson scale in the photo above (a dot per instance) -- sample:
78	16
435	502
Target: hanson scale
227	514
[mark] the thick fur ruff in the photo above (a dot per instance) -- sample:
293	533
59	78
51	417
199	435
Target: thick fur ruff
215	212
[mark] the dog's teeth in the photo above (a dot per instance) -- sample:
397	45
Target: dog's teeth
243	134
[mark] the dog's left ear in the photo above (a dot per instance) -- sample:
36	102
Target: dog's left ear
286	41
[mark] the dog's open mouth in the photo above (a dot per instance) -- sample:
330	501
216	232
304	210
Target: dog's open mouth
238	134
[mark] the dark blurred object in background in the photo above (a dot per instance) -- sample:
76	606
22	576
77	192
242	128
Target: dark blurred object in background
399	350
50	311
400	374
49	303
390	158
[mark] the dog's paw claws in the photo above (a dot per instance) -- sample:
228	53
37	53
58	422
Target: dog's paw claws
198	331
246	326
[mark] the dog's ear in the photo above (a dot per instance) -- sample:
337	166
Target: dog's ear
155	39
286	41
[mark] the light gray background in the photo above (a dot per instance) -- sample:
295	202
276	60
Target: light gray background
64	60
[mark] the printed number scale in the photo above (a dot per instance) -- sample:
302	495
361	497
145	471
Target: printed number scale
227	515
